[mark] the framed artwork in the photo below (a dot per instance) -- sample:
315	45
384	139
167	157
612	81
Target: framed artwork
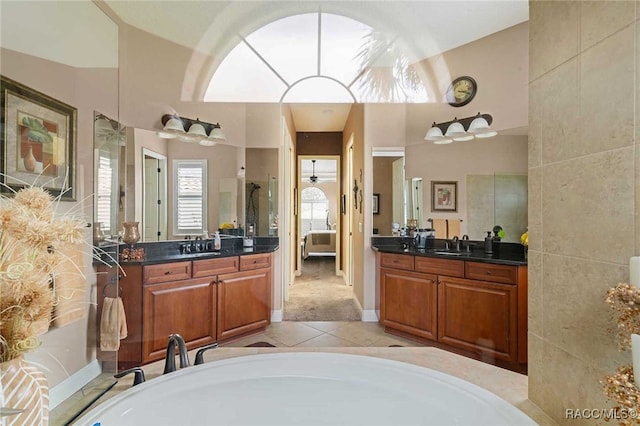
376	204
37	141
444	196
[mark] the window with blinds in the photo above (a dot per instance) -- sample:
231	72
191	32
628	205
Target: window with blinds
104	190
190	201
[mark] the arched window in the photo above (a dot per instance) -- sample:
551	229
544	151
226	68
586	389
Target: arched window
314	209
316	57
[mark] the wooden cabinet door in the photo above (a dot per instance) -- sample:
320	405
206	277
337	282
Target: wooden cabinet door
409	302
185	307
478	316
244	302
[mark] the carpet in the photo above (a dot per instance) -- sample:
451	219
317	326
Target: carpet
319	295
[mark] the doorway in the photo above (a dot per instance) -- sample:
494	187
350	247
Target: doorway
154	207
319	292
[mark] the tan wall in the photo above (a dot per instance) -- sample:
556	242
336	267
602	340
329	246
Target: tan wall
65	350
584	168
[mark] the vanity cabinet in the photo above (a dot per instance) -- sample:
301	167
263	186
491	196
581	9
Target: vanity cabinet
478	316
476	307
204	301
185	307
409	302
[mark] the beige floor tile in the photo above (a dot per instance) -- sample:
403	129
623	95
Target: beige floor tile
360	333
291	333
326	326
326	340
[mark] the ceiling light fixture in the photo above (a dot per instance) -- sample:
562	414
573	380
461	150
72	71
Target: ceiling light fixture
313	178
189	130
464	129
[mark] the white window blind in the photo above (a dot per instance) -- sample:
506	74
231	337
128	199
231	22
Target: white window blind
104	191
190	205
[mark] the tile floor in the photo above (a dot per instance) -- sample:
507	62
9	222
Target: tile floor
359	338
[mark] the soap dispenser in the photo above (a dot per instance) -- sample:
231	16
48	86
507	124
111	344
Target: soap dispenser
216	241
488	243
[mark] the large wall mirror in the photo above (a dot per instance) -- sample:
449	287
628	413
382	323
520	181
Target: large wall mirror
397	197
491	199
242	186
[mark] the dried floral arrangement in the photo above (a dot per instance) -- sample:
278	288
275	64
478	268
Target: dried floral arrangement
30	233
624	301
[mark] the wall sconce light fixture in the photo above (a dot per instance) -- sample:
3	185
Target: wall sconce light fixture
189	130
464	129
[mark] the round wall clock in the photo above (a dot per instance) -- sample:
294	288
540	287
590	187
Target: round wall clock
461	91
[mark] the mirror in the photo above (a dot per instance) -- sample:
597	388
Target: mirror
109	152
399	198
491	199
261	191
228	189
498	199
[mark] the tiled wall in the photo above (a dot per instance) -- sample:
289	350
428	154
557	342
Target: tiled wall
583	192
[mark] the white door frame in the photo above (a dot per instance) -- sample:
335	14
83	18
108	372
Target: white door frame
348	275
337	204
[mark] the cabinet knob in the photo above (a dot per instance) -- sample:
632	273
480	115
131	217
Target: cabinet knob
255	261
488	272
168	272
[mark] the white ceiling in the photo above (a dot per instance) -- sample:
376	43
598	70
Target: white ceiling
424	28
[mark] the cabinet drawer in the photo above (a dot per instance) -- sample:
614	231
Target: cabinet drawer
255	261
490	272
396	261
212	267
451	268
166	272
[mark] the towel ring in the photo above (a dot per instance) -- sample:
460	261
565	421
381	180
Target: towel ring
113	281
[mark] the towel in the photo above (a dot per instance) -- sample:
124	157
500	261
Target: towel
70	287
440	226
454	228
113	324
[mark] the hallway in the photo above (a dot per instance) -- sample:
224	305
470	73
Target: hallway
318	294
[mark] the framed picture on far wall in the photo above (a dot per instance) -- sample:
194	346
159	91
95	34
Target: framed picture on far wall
376	204
444	196
38	141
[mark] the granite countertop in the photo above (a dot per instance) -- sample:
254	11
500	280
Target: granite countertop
170	251
506	253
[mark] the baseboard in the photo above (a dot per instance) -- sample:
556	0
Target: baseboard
276	316
73	383
369	315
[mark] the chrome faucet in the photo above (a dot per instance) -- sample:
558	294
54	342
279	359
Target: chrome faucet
170	358
456	243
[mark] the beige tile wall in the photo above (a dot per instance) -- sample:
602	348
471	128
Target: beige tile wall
584	187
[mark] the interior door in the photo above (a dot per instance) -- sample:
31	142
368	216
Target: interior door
154	210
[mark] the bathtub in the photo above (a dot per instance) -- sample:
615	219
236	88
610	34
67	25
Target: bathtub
305	389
